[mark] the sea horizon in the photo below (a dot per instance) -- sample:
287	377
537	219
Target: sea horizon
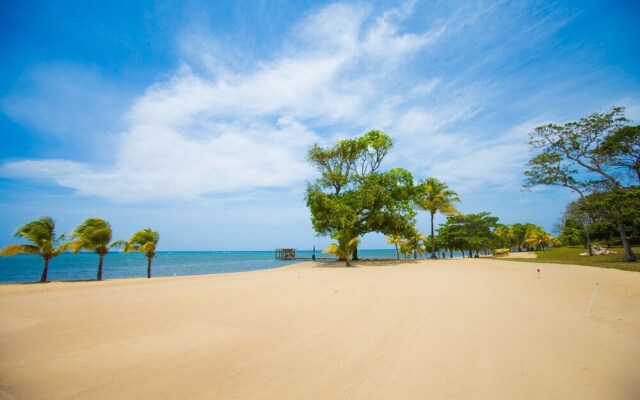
117	265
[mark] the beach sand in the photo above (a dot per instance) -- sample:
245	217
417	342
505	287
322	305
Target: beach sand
446	329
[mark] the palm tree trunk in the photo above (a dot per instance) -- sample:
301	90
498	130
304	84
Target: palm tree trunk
397	252
433	242
354	256
100	267
148	267
43	278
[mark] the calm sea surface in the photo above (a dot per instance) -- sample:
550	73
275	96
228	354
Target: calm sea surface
28	268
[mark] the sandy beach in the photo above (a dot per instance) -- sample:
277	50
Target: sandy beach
447	329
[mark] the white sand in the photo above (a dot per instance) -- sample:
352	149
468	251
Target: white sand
456	329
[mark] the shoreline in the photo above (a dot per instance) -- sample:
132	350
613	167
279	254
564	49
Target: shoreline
370	260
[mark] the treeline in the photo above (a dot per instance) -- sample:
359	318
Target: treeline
593	218
598	158
353	197
473	234
94	235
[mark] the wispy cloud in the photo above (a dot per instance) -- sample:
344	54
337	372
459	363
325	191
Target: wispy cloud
211	128
201	133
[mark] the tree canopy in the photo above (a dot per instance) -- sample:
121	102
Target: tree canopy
94	234
353	196
594	154
143	241
45	242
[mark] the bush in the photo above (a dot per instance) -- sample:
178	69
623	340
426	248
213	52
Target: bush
501	252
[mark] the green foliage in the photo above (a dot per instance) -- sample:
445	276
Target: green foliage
504	235
501	252
603	211
586	156
143	241
435	196
353	195
344	247
45	242
397	242
94	234
537	238
471	232
622	149
572	233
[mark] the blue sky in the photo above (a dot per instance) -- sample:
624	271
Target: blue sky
193	117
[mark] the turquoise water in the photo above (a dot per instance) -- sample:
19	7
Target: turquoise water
28	268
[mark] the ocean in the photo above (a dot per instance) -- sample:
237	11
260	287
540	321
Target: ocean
84	266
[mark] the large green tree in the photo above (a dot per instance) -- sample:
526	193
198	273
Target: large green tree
452	236
582	156
435	196
621	148
94	234
470	232
45	242
143	241
353	196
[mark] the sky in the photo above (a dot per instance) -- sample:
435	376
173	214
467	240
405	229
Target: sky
194	117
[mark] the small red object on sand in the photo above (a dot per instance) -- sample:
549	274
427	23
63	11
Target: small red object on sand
538	269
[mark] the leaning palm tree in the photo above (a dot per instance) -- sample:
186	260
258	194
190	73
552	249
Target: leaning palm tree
344	247
396	241
94	234
41	233
435	196
143	241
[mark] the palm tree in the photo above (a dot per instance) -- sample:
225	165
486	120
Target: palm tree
505	234
396	241
537	238
413	244
344	247
435	196
41	233
144	241
94	234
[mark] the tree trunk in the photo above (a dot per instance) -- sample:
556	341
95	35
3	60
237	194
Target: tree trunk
100	267
397	252
470	253
433	241
586	233
628	253
354	255
148	267
43	278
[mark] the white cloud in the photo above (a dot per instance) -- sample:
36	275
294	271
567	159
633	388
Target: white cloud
195	134
210	128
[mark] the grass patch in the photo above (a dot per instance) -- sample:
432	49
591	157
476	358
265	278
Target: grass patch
571	255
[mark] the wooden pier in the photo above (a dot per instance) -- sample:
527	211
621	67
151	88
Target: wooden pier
290	255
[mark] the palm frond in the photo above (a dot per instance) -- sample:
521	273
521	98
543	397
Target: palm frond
13	249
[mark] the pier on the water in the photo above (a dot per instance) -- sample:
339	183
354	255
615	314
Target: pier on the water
290	255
